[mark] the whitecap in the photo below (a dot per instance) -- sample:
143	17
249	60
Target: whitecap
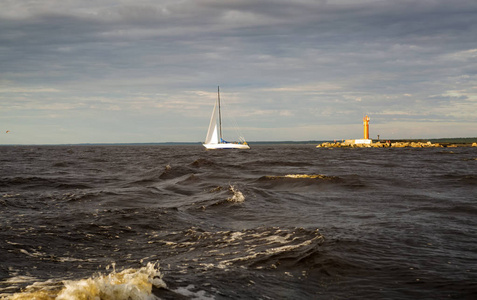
188	292
237	197
134	284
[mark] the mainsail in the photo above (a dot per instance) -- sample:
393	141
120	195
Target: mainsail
212	136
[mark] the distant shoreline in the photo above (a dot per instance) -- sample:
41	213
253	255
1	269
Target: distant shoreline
443	141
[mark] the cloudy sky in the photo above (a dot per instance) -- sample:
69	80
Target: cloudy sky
94	71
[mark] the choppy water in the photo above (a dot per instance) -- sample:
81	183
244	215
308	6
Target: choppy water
179	222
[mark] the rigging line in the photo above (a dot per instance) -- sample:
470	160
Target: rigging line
234	124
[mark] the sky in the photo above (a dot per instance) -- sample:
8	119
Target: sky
145	71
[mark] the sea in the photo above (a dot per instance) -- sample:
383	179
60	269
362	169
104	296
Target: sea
278	221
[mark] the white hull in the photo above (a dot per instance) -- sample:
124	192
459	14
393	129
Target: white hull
226	146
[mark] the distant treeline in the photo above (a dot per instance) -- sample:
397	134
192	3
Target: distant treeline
439	140
455	140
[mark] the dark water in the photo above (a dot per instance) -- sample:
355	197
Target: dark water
378	223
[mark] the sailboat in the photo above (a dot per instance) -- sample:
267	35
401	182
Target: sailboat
214	138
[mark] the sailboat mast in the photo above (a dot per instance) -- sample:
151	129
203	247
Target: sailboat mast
220	115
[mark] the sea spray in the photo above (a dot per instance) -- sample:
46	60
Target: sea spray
134	284
237	197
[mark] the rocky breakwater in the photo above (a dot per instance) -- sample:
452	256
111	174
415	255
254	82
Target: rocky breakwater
379	144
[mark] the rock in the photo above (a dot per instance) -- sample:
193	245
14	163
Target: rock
377	145
352	144
348	143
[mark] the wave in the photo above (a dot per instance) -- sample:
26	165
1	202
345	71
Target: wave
275	163
127	284
299	176
296	181
237	197
63	164
453	210
226	195
40	183
466	179
260	248
202	162
171	173
278	249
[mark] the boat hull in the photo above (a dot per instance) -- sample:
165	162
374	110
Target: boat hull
226	146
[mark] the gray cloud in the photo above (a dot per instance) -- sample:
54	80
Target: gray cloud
301	65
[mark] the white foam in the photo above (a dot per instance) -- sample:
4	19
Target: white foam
254	252
187	291
238	197
10	195
134	284
278	239
34	253
13	283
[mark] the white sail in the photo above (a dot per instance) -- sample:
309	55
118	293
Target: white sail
212	136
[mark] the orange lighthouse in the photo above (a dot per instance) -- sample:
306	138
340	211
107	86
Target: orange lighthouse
366	127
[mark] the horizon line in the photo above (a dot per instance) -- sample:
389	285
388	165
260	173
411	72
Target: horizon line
251	142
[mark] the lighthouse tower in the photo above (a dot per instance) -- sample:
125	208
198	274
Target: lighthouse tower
366	127
366	139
